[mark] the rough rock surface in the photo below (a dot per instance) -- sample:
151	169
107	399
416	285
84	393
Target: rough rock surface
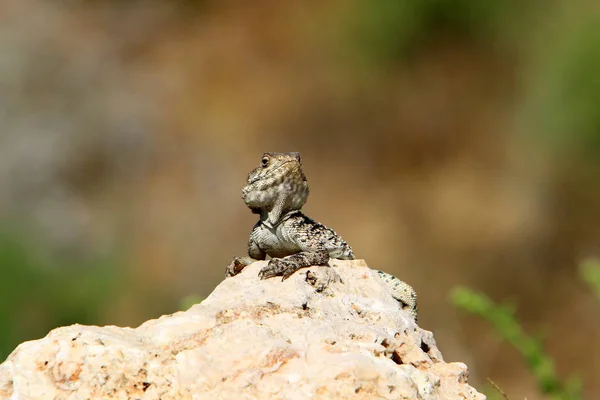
325	333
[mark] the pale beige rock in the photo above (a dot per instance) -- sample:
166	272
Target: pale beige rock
321	338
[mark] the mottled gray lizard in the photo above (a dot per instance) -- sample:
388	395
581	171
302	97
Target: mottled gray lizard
276	190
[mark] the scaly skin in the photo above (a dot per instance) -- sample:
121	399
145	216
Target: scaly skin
276	187
277	190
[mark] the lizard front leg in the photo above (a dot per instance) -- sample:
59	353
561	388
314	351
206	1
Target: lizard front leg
239	263
286	266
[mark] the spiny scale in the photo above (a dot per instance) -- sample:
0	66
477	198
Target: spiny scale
402	292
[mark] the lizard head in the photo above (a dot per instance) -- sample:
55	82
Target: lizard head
270	163
278	178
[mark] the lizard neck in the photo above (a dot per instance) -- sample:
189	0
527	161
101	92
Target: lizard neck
264	216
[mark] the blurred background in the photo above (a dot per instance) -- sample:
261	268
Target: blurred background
451	142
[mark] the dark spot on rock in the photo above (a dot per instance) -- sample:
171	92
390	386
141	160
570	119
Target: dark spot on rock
396	358
270	304
311	279
305	306
145	386
425	347
45	362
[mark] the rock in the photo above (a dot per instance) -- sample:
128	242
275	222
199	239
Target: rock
338	334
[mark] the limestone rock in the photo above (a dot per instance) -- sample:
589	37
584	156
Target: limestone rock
337	335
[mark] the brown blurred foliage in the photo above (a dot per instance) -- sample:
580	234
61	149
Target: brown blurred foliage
437	137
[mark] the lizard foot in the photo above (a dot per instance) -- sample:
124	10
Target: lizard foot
236	266
278	267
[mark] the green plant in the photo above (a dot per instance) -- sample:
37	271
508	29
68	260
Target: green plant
590	272
531	349
40	290
384	31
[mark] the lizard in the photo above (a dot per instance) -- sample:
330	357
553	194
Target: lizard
276	190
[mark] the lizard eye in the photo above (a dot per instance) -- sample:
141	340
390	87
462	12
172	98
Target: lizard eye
265	161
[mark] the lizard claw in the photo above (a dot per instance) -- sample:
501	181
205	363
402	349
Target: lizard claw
277	267
235	267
